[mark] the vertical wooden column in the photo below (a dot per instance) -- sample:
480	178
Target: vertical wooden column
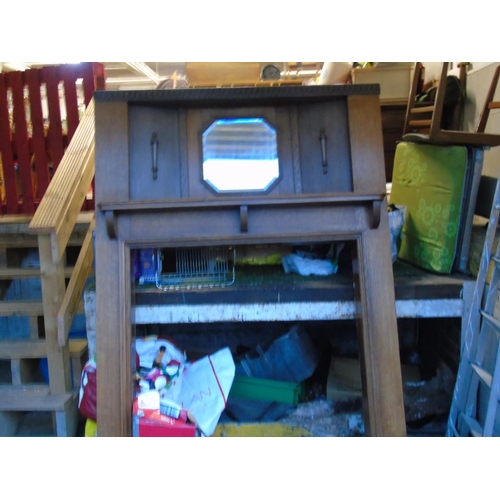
53	288
374	281
112	259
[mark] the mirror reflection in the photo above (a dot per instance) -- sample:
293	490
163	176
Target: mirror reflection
240	154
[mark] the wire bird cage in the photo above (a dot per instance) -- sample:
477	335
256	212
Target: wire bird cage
195	267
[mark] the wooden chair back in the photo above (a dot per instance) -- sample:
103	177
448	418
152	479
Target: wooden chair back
429	130
426	117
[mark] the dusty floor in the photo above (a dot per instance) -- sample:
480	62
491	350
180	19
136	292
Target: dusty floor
318	417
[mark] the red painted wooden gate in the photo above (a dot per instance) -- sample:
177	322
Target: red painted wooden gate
39	112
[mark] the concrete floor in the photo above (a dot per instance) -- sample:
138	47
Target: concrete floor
314	417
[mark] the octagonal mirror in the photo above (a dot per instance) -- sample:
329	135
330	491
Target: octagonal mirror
240	154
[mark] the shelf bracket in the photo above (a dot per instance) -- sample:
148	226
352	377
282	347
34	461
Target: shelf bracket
244	218
111	225
376	213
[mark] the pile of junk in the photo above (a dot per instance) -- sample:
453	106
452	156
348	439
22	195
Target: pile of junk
300	383
178	397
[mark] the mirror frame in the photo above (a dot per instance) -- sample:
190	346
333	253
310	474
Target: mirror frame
248	192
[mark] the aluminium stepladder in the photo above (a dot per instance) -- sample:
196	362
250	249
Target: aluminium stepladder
475	400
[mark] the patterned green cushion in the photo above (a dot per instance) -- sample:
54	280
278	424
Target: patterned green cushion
429	181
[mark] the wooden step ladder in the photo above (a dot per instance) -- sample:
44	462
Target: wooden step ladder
475	400
21	389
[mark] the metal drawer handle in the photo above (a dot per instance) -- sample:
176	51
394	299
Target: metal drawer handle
154	153
322	140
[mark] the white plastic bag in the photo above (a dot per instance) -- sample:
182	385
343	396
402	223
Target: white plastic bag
202	388
147	350
293	263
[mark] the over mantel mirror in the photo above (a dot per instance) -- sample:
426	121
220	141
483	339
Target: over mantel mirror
240	155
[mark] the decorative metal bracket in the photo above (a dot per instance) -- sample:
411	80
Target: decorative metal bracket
154	154
322	141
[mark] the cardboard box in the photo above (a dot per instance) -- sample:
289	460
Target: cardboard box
225	73
344	378
151	423
394	81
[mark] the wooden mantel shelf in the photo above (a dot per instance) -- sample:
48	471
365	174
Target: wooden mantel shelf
111	210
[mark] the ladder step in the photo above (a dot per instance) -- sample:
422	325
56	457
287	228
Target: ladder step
12	273
483	374
27	241
28	308
496	260
420	123
33	397
474	427
37	349
423	109
21	308
491	320
23	349
494	105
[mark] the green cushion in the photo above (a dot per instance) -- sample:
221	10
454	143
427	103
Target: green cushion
429	181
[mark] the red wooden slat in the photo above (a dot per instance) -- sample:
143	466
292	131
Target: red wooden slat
38	137
99	76
90	203
68	75
49	75
93	79
12	199
15	80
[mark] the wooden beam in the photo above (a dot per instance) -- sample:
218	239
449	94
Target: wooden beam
32	398
53	288
21	308
71	210
73	295
59	209
37	349
12	273
28	308
19	349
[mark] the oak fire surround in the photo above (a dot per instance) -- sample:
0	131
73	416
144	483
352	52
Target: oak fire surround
151	192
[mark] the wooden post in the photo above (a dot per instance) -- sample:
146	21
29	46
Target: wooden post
112	279
53	287
374	282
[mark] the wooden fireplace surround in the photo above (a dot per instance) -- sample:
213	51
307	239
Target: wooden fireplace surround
347	203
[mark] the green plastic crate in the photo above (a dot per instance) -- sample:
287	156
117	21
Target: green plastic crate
267	390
